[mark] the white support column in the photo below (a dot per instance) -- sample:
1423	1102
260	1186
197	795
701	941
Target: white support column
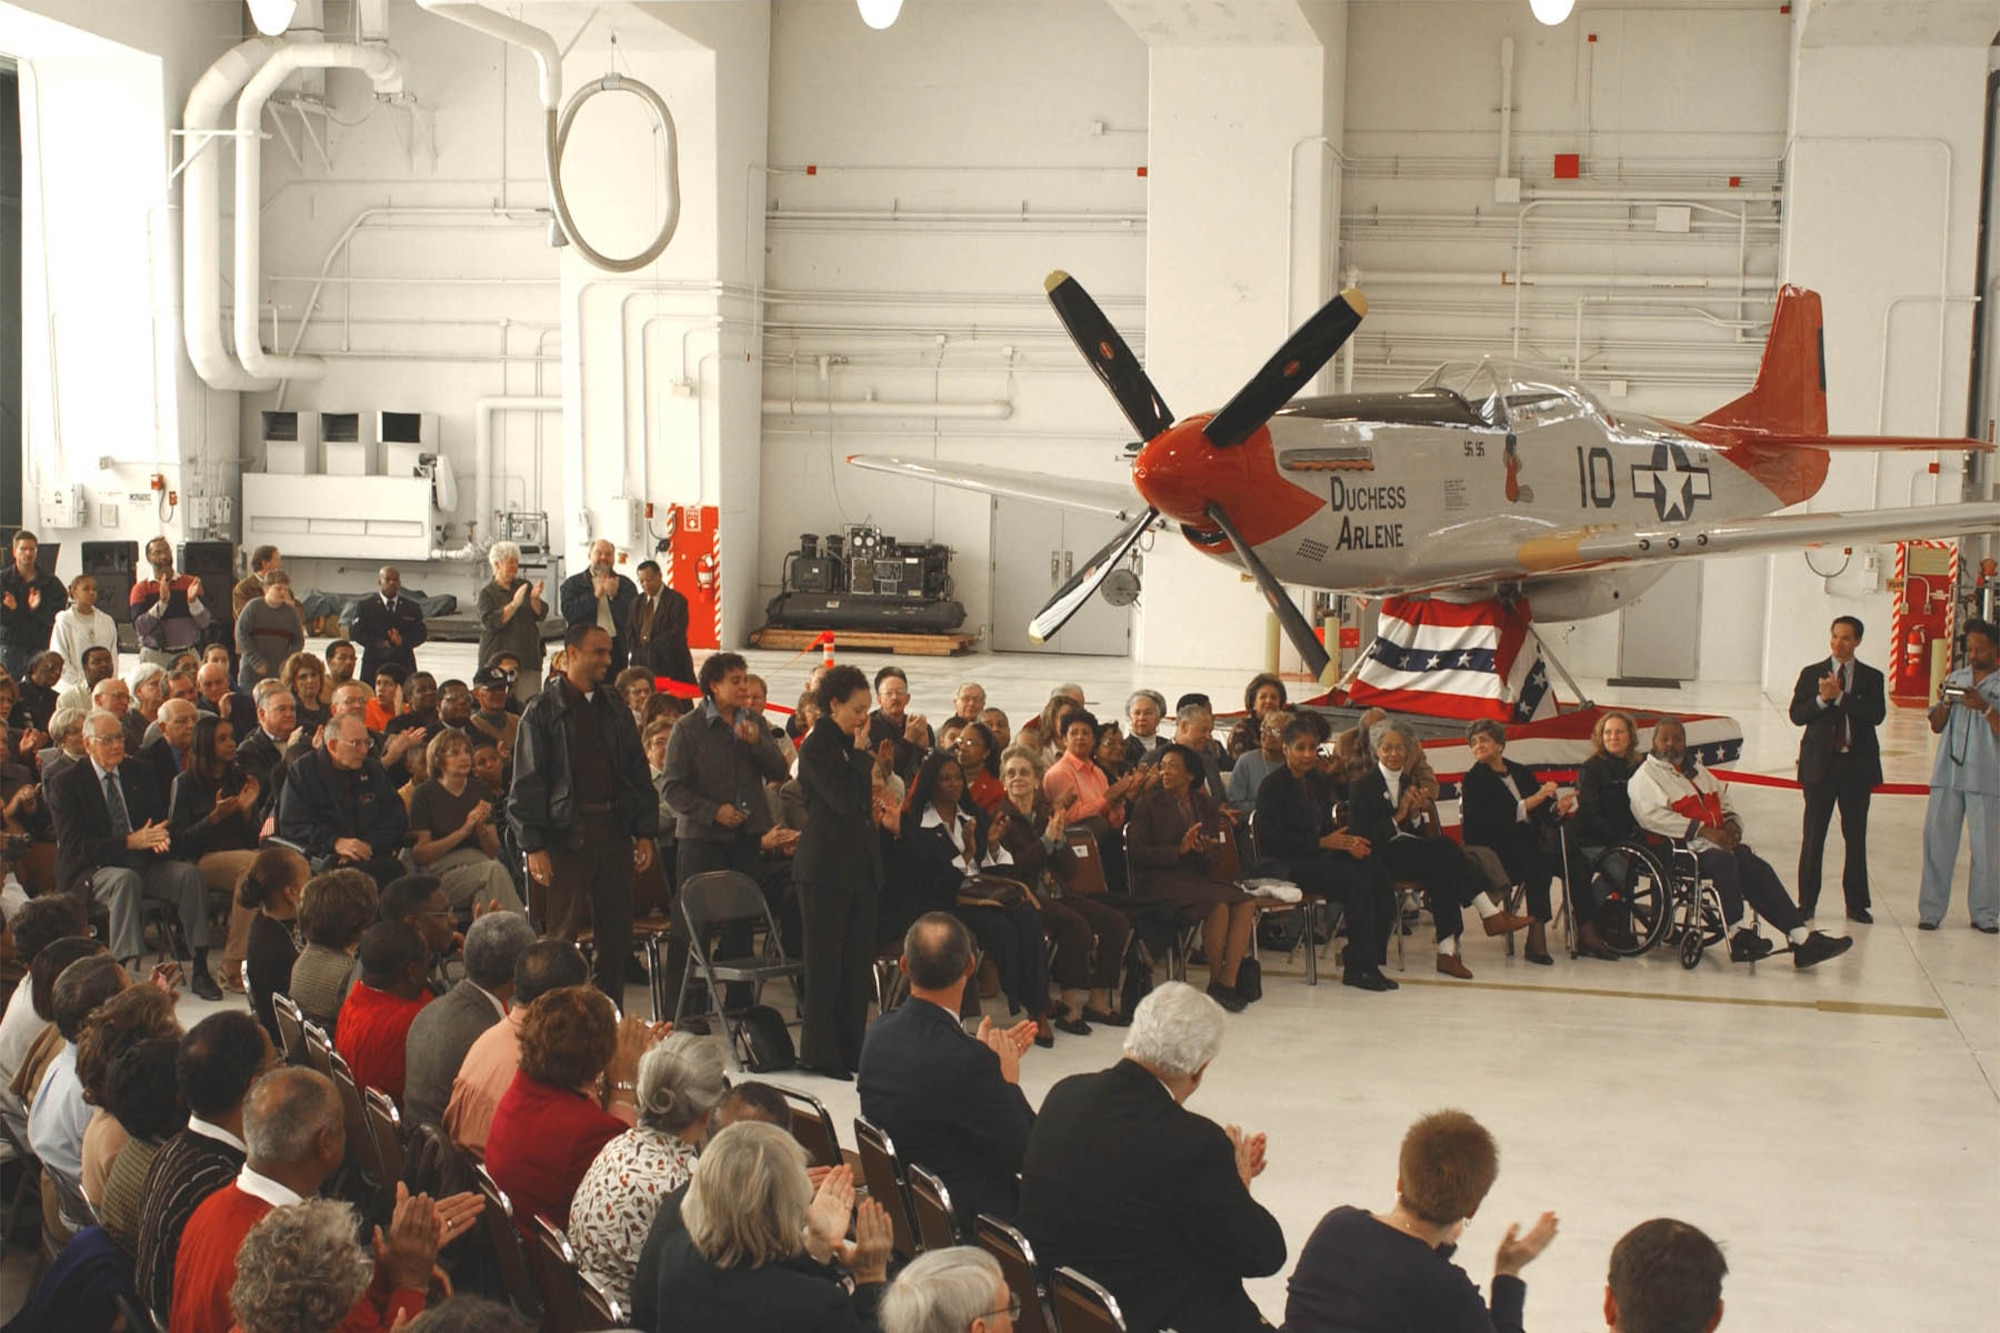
1230	224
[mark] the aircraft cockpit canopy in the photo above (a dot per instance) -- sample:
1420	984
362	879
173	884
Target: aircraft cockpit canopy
1509	395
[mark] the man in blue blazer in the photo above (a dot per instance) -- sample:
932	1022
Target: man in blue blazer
950	1102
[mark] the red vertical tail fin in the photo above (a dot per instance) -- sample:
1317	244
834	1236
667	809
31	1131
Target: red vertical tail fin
1789	398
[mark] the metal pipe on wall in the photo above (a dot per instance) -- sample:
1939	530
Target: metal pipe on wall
201	212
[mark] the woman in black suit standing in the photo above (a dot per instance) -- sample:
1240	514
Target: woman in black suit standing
1504	806
838	869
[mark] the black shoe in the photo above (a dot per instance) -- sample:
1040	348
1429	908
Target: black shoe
1747	946
1540	959
1927	925
1368	981
1109	1020
1227	997
203	985
1986	930
693	1025
835	1073
1819	947
1076	1027
1861	914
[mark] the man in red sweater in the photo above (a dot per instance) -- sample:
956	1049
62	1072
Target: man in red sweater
375	1019
293	1128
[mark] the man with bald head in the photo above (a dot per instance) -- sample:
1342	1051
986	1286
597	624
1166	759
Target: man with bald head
601	596
340	807
296	1140
224	700
112	845
387	627
165	757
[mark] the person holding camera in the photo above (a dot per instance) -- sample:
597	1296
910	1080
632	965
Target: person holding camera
1965	785
167	611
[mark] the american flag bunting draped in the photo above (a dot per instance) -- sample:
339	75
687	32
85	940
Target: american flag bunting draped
1445	659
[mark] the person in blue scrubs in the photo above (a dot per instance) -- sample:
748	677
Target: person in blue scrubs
1965	785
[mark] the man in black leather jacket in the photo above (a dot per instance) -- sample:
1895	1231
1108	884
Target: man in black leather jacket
582	806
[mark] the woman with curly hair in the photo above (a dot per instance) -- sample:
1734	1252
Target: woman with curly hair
335	908
576	1091
1264	694
305	678
680	1083
301	1270
136	1014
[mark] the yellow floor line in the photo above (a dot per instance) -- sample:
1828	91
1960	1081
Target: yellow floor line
1821	1006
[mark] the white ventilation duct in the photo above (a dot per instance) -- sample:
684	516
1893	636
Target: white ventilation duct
385	70
201	214
557	121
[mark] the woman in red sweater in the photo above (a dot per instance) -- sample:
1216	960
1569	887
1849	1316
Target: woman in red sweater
576	1059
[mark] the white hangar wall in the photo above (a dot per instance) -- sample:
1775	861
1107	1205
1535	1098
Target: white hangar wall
871	215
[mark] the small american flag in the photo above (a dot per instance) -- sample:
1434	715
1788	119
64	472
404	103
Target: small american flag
1445	659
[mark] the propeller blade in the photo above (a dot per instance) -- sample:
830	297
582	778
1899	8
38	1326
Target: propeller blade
1108	356
1301	358
1296	627
1069	598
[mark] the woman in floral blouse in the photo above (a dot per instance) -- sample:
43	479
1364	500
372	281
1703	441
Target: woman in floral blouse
680	1082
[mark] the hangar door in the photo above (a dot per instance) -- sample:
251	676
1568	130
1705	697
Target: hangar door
1036	548
1657	635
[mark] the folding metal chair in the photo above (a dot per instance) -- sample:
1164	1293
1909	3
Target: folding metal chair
291	1029
812	1125
883	1172
930	1209
561	1280
362	1150
717	898
27	1190
385	1125
319	1048
509	1255
1024	1275
605	1311
1082	1306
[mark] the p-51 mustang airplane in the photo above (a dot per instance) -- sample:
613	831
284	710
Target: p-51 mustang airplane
1489	477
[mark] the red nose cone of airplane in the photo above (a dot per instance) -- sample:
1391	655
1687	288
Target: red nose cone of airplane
1181	473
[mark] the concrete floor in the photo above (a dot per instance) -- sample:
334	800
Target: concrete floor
1837	1130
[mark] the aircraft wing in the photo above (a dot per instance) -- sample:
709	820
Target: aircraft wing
1615	544
1103	497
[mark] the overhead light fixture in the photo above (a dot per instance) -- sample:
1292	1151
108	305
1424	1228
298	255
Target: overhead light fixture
1552	12
879	14
272	17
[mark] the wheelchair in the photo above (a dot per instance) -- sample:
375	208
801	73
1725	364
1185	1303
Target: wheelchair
1659	897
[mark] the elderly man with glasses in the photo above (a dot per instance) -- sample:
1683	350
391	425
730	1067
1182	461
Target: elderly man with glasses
340	806
112	846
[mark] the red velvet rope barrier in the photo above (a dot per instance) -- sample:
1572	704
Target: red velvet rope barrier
1765	780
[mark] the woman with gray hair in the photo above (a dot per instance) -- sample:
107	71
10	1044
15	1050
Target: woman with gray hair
510	618
1388	809
1144	710
300	1270
750	1222
680	1083
955	1290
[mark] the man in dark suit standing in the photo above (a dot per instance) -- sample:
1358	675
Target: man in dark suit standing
1124	1184
951	1103
388	626
1839	702
112	845
657	627
599	595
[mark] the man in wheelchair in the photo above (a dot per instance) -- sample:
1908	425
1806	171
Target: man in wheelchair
1676	796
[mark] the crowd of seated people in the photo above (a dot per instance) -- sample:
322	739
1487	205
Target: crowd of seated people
362	848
